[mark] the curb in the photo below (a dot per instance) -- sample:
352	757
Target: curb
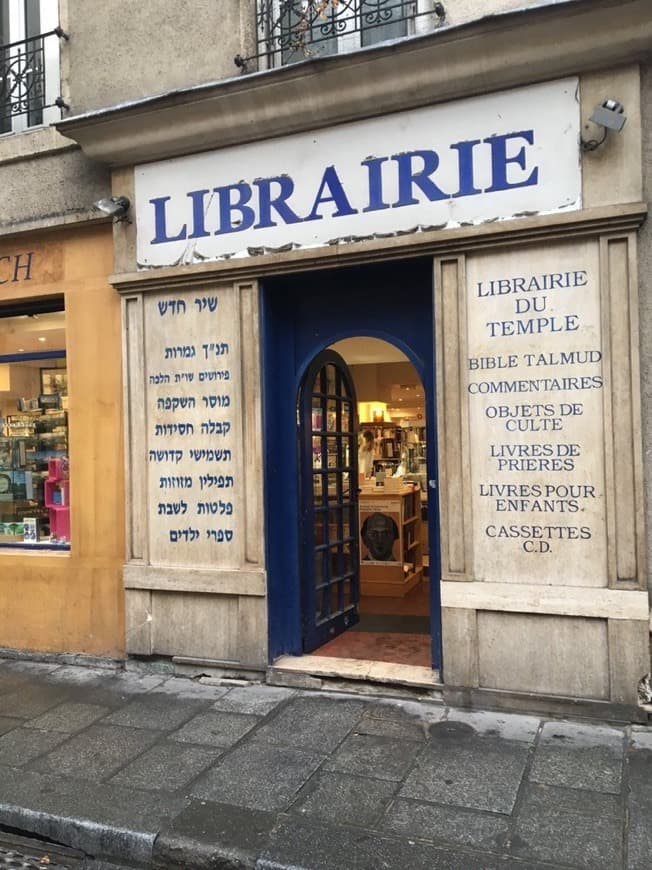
94	839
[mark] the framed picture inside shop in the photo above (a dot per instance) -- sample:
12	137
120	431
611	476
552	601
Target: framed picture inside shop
54	381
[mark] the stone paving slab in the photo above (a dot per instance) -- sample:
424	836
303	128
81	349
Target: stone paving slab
255	700
482	774
312	723
159	712
341	799
307	844
106	688
216	729
583	756
639	834
508	726
258	776
581	829
402	729
7	724
23	745
31	699
96	753
167	767
379	757
639	839
68	717
444	824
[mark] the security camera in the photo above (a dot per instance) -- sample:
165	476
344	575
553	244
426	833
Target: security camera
609	114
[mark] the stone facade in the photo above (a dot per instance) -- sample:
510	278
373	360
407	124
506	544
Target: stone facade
565	619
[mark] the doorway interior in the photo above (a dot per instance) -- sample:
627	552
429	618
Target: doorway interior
379	320
394	583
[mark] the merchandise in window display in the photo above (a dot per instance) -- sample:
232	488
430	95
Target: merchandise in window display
34	505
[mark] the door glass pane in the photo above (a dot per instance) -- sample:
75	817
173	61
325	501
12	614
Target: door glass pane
335	524
317	488
349	520
331	414
331	380
335	598
347	451
347	559
316	452
334	555
321	602
345	411
334	487
320	568
317	421
333	448
319	528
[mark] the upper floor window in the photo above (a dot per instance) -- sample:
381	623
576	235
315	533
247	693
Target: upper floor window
29	63
293	30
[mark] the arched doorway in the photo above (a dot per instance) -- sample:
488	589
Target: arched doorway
304	315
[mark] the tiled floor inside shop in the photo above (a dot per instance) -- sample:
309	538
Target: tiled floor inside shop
395	630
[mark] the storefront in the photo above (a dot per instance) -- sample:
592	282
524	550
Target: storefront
490	241
61	465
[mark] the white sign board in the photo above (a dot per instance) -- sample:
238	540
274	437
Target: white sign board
535	397
485	158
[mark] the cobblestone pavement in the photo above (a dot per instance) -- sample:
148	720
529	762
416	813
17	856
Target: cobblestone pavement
150	770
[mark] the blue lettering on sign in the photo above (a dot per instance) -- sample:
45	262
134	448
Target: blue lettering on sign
220	535
266	202
171	306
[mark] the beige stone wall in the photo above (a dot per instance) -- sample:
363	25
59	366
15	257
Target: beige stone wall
46	188
469	10
195	577
645	296
120	50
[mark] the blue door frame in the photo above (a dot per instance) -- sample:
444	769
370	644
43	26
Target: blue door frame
301	316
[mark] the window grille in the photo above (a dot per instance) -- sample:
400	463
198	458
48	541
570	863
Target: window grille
29	64
292	30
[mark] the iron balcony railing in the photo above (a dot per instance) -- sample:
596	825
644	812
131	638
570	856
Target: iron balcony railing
288	31
24	91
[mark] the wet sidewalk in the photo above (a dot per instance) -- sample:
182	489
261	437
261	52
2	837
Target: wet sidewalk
176	773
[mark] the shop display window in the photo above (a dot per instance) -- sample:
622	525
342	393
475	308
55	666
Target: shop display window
34	460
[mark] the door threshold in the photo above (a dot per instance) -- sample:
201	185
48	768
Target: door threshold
307	672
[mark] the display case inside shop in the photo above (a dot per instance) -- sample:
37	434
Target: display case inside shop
34	498
391	553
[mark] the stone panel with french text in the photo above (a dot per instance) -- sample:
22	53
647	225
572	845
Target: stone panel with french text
534	383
